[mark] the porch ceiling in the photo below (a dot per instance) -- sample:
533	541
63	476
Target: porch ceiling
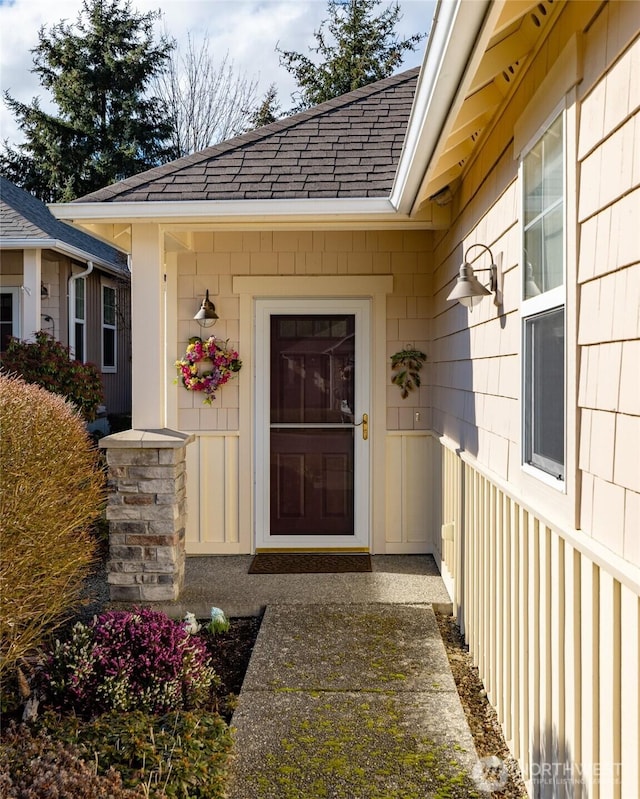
517	28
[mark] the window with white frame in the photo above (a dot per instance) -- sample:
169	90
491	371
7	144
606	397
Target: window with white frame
543	304
79	321
9	312
109	330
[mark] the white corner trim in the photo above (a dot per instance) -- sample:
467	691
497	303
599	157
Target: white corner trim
453	36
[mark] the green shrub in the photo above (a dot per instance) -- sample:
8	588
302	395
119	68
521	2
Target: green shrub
51	492
128	660
34	766
181	754
48	364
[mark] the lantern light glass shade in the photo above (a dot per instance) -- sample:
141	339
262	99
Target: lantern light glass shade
206	316
468	290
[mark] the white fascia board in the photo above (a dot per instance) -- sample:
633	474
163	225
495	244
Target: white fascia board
452	38
276	211
61	247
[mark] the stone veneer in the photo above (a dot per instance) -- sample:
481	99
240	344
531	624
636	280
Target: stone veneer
146	511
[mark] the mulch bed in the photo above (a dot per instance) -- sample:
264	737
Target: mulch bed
481	716
230	653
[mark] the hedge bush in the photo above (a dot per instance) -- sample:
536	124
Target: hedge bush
128	660
35	766
48	363
181	754
51	492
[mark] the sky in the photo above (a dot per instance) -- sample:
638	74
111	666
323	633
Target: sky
248	30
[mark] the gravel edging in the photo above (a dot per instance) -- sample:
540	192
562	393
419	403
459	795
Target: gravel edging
481	716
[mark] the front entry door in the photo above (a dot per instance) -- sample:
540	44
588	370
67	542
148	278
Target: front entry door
314	467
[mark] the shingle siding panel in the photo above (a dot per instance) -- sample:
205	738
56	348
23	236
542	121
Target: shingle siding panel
347	147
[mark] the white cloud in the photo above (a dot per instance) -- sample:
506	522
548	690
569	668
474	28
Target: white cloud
248	30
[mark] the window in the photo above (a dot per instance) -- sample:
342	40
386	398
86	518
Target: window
79	348
108	329
543	303
8	316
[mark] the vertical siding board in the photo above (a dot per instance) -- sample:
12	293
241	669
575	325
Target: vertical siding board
477	566
557	656
630	680
609	686
589	657
484	609
534	640
393	524
491	598
488	548
546	736
556	642
506	651
416	495
212	490
607	675
231	531
499	612
460	529
524	655
513	721
212	494
192	533
572	670
470	554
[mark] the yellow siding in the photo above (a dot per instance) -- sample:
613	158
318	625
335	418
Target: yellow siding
408	493
609	279
545	584
220	256
554	632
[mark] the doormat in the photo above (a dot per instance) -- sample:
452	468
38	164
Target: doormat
309	563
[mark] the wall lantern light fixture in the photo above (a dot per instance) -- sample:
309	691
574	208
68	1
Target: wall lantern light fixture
468	290
207	316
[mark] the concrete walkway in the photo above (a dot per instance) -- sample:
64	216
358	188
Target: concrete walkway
350	701
223	581
349	694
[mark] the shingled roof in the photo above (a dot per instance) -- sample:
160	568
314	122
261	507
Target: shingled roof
347	147
24	218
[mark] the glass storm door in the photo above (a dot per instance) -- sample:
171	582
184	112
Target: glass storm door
315	438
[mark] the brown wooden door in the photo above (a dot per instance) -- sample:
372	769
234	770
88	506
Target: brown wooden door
312	387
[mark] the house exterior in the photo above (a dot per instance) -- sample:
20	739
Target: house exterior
331	241
56	278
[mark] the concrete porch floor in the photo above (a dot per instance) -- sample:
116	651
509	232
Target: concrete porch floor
222	581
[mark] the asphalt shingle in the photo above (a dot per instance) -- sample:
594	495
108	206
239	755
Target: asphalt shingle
346	147
24	217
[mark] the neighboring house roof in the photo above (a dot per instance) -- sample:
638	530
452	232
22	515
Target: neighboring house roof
347	147
26	222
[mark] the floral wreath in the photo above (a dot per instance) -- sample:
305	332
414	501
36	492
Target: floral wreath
198	376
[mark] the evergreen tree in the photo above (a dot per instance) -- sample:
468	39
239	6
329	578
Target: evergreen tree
355	48
268	111
107	127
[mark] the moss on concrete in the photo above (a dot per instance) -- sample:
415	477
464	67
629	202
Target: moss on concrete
349	747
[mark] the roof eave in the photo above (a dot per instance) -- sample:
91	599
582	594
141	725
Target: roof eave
452	40
373	209
65	249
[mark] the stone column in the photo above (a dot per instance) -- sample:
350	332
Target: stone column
146	511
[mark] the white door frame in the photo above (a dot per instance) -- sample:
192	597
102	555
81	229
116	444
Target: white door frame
264	309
